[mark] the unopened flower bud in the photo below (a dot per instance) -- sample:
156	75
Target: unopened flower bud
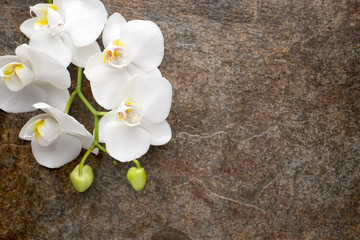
137	177
82	181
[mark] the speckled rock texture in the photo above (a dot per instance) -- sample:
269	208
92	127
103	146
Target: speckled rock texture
266	133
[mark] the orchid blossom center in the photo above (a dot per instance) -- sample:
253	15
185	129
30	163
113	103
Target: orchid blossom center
47	16
45	131
117	54
129	113
16	75
41	12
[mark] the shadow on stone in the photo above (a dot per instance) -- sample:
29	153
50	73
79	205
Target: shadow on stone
170	234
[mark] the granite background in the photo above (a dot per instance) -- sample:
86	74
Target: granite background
265	120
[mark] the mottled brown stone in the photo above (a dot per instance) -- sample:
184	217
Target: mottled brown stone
266	133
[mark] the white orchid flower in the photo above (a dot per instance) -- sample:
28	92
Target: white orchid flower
139	119
66	29
29	77
134	47
56	138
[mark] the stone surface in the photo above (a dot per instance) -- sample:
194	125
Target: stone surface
265	120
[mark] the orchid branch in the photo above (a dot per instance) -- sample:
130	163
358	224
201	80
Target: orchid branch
71	99
137	163
49	1
82	179
91	148
78	92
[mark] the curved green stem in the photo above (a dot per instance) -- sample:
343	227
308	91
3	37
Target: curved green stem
96	114
137	163
91	148
79	79
87	104
71	99
96	129
101	148
49	1
100	114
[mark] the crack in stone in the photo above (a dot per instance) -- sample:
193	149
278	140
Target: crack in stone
186	125
211	193
269	184
202	136
279	174
206	135
257	135
238	202
182	184
224	132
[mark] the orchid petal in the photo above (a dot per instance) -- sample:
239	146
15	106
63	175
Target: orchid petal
60	152
60	9
106	93
112	28
95	69
125	143
41	12
25	74
16	75
107	118
84	19
49	130
27	132
80	55
135	70
27	27
146	42
55	97
106	81
52	45
20	101
160	133
54	18
41	62
152	94
14	83
42	141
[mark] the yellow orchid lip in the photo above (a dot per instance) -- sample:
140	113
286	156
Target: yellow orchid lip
10	70
16	75
41	12
45	130
117	54
128	113
117	42
108	55
36	128
128	109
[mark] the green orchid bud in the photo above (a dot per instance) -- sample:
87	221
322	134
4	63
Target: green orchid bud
136	176
82	181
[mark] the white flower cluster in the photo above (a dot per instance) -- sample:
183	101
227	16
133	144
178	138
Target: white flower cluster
124	79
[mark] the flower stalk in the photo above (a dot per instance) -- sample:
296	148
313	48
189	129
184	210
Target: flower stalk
78	92
137	163
91	148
